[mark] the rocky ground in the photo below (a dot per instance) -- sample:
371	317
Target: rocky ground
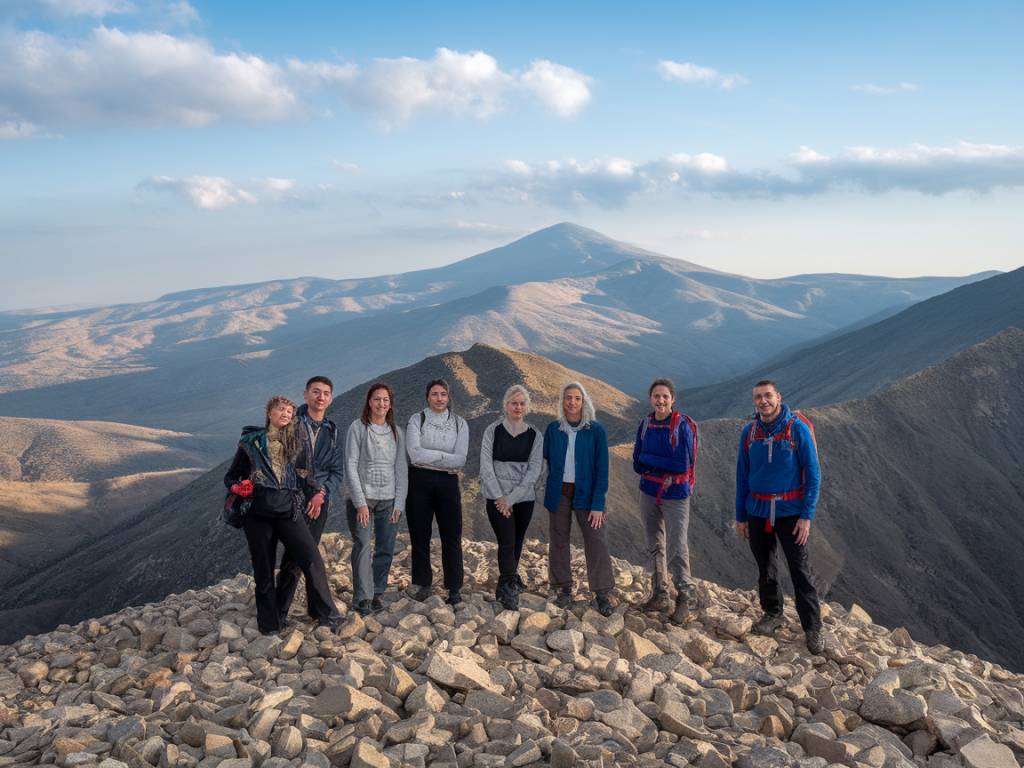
189	681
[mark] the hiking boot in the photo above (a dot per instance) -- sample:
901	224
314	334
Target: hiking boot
507	594
768	623
683	612
563	598
602	604
363	608
520	584
376	605
815	642
658	602
454	597
418	593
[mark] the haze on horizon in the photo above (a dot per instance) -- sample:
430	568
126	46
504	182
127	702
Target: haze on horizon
153	146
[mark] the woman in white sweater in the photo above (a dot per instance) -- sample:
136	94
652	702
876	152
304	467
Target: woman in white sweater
437	443
511	458
376	479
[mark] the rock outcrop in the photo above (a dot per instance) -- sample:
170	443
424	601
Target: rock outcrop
190	682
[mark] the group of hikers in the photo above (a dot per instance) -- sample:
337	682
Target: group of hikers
287	475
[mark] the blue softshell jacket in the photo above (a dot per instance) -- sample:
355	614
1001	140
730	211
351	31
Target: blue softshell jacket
591	466
653	453
793	465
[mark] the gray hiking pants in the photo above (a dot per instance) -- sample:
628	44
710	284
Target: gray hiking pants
668	550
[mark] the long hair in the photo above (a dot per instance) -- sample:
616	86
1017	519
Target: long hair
389	419
588	415
289	434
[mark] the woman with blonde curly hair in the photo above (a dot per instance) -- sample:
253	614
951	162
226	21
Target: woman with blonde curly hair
264	470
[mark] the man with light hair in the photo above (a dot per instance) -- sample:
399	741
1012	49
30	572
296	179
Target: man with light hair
576	451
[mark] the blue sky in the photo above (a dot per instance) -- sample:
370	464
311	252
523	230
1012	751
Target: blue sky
149	146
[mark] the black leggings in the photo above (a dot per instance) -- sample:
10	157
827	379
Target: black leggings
510	532
433	494
289	572
263	534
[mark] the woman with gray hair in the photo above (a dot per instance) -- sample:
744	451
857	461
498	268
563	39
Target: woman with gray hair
511	457
576	450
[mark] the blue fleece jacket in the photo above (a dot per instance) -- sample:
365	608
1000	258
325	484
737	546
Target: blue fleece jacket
591	466
654	455
793	465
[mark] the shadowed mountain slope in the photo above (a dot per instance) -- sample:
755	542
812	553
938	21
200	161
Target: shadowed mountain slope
922	511
921	481
62	483
858	363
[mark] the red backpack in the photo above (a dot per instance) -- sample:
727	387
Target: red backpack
673	438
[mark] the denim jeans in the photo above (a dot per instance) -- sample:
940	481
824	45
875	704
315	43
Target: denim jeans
370	572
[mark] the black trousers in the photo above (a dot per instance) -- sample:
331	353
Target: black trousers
763	545
433	495
288	574
510	532
263	534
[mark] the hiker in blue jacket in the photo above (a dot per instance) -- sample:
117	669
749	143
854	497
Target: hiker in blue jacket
576	452
777	483
663	455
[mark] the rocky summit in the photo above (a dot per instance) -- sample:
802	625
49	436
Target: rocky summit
189	681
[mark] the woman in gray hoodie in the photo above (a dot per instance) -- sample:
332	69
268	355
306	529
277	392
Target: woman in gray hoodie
376	480
511	458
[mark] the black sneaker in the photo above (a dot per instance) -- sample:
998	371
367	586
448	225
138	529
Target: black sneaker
815	642
418	593
603	604
563	598
363	608
454	597
376	605
768	623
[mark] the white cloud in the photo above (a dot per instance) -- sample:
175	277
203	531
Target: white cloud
807	155
141	77
458	83
612	182
686	72
885	90
112	76
345	166
182	13
563	89
206	192
279	185
18	129
922	168
94	8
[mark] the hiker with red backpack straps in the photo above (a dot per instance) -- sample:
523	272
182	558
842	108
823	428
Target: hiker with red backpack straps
777	484
664	455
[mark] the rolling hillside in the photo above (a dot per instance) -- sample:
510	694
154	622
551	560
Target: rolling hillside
63	483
